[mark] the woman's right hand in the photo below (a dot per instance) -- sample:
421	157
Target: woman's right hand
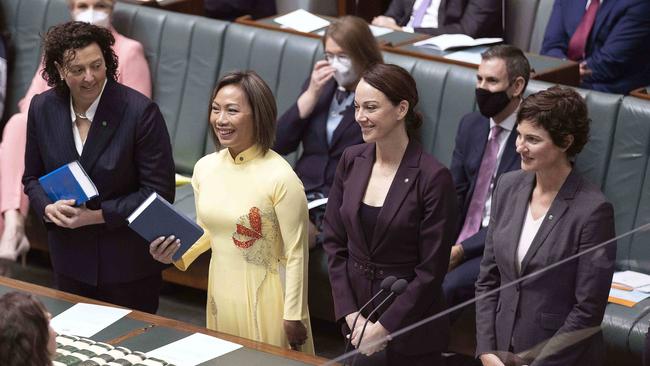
163	249
349	319
489	359
321	74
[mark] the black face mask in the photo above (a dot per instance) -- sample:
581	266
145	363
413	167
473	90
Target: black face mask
491	103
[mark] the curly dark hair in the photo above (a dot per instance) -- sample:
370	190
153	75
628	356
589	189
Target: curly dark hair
24	331
562	112
72	36
397	85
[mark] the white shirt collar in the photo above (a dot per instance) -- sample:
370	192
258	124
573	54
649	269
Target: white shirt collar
507	124
90	113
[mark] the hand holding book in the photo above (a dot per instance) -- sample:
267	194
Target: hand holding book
163	249
63	213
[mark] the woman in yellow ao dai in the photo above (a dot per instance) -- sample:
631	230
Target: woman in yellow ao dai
253	210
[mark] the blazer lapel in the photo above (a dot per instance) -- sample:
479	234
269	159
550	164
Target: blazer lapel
554	214
106	121
347	121
601	17
357	188
63	128
509	153
405	177
518	216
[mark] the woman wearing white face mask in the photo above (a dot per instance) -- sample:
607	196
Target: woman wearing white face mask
133	71
322	119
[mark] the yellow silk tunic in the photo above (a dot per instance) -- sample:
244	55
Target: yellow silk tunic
254	213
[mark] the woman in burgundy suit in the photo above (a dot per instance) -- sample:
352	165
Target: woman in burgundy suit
391	212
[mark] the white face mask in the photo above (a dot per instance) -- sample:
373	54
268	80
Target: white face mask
344	74
96	17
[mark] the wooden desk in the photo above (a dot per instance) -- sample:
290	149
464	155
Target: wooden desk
145	332
393	38
545	68
643	93
194	7
550	69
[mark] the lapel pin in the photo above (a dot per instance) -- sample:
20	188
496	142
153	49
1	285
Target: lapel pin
550	217
103	123
406	180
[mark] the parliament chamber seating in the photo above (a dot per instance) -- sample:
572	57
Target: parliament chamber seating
187	54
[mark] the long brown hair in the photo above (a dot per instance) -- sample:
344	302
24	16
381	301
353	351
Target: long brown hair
354	36
260	98
24	331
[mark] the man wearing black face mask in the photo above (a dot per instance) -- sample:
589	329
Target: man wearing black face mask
485	148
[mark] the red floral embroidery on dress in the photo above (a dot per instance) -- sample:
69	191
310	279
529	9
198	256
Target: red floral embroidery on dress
254	232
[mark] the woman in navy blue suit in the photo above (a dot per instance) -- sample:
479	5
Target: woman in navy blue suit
392	212
542	214
322	119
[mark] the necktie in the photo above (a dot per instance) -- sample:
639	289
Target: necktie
341	95
479	197
578	42
419	14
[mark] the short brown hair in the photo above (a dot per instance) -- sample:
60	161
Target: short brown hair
354	36
72	36
397	85
562	112
516	62
260	98
24	331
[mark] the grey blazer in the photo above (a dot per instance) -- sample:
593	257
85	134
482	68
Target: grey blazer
566	303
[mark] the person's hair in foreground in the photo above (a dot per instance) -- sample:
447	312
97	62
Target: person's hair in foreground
24	331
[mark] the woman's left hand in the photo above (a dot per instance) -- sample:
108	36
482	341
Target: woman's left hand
374	338
296	333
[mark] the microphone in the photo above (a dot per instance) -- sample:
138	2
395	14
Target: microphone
385	285
396	289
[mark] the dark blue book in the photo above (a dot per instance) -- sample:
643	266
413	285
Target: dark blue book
69	182
156	217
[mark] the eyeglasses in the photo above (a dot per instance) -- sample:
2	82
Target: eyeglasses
341	57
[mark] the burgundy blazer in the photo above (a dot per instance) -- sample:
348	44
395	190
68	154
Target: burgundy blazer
558	313
412	240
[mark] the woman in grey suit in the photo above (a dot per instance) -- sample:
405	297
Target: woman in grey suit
542	214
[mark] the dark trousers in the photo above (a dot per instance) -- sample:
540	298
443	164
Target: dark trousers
458	285
140	295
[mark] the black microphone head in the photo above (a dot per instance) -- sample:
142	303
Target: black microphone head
399	286
388	282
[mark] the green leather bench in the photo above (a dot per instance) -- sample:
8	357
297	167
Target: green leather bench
187	55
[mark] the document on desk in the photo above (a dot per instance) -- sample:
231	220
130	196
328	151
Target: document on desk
379	31
631	279
302	21
626	298
86	320
444	42
193	350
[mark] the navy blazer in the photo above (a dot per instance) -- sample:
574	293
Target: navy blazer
550	313
412	239
471	139
476	18
613	51
127	155
317	164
